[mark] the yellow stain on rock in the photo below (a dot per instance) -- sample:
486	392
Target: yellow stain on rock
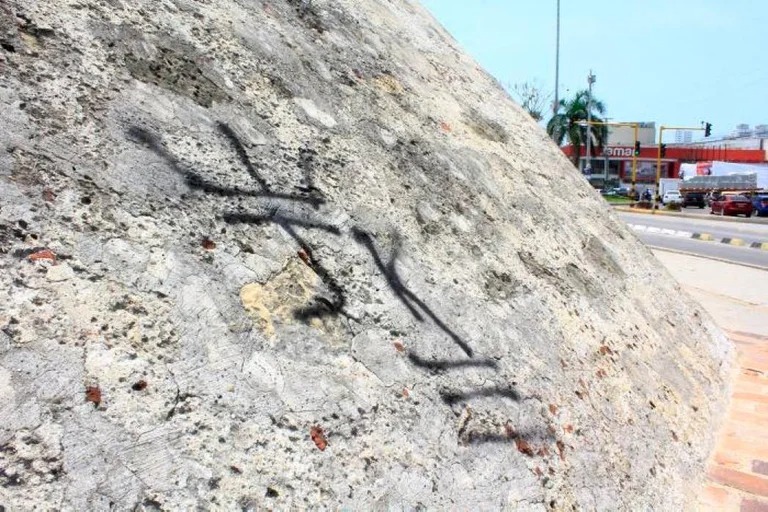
275	301
389	84
31	41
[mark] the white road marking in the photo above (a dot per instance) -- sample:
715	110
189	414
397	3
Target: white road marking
661	231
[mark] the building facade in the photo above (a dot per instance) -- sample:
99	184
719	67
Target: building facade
613	162
617	159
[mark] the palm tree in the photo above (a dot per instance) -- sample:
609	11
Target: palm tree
570	120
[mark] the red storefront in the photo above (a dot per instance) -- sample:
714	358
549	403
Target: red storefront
618	159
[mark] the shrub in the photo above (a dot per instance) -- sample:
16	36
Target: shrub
643	205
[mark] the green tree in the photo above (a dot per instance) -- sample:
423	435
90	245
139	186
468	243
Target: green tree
571	119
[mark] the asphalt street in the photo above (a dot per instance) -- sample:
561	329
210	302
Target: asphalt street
734	227
705	213
675	233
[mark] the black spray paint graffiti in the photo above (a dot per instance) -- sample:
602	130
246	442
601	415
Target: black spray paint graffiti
231	136
197	182
310	195
322	306
406	296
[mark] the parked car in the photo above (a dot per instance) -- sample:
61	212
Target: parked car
760	205
621	191
694	199
731	205
672	197
615	191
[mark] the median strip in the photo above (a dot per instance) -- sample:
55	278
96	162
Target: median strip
733	241
704	237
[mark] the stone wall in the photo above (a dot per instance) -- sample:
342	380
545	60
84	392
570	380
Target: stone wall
286	254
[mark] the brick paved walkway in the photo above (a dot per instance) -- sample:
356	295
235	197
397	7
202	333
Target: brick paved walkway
738	468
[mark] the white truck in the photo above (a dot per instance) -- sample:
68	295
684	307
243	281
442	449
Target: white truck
668	185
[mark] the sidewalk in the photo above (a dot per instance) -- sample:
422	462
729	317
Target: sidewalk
737	298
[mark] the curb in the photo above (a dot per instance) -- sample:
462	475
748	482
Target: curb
704	257
738	242
733	241
626	209
704	237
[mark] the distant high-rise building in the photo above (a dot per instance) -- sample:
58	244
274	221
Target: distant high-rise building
761	130
683	136
743	130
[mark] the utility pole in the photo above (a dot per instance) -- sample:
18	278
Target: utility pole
606	171
557	63
632	189
590	81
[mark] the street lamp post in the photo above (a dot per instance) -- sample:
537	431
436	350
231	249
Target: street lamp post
633	188
606	172
590	81
557	63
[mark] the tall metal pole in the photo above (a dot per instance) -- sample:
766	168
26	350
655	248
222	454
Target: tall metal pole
606	170
590	81
634	163
557	63
656	196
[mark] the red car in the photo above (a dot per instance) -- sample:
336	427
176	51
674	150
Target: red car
731	205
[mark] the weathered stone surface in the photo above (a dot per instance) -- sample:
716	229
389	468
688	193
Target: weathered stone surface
275	224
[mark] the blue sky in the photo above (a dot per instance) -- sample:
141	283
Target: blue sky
675	62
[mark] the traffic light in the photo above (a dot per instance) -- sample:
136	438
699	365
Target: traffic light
663	149
707	129
637	148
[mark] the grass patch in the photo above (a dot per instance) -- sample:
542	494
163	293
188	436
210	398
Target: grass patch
618	200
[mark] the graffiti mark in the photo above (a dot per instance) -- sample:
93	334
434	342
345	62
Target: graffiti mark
454	397
246	218
322	306
505	435
439	365
237	146
334	299
197	182
407	297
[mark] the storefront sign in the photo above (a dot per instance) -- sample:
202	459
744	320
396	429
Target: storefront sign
618	151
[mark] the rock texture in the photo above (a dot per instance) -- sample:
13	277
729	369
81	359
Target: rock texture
287	254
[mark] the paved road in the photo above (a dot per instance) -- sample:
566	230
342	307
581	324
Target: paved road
729	253
704	212
748	231
668	232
